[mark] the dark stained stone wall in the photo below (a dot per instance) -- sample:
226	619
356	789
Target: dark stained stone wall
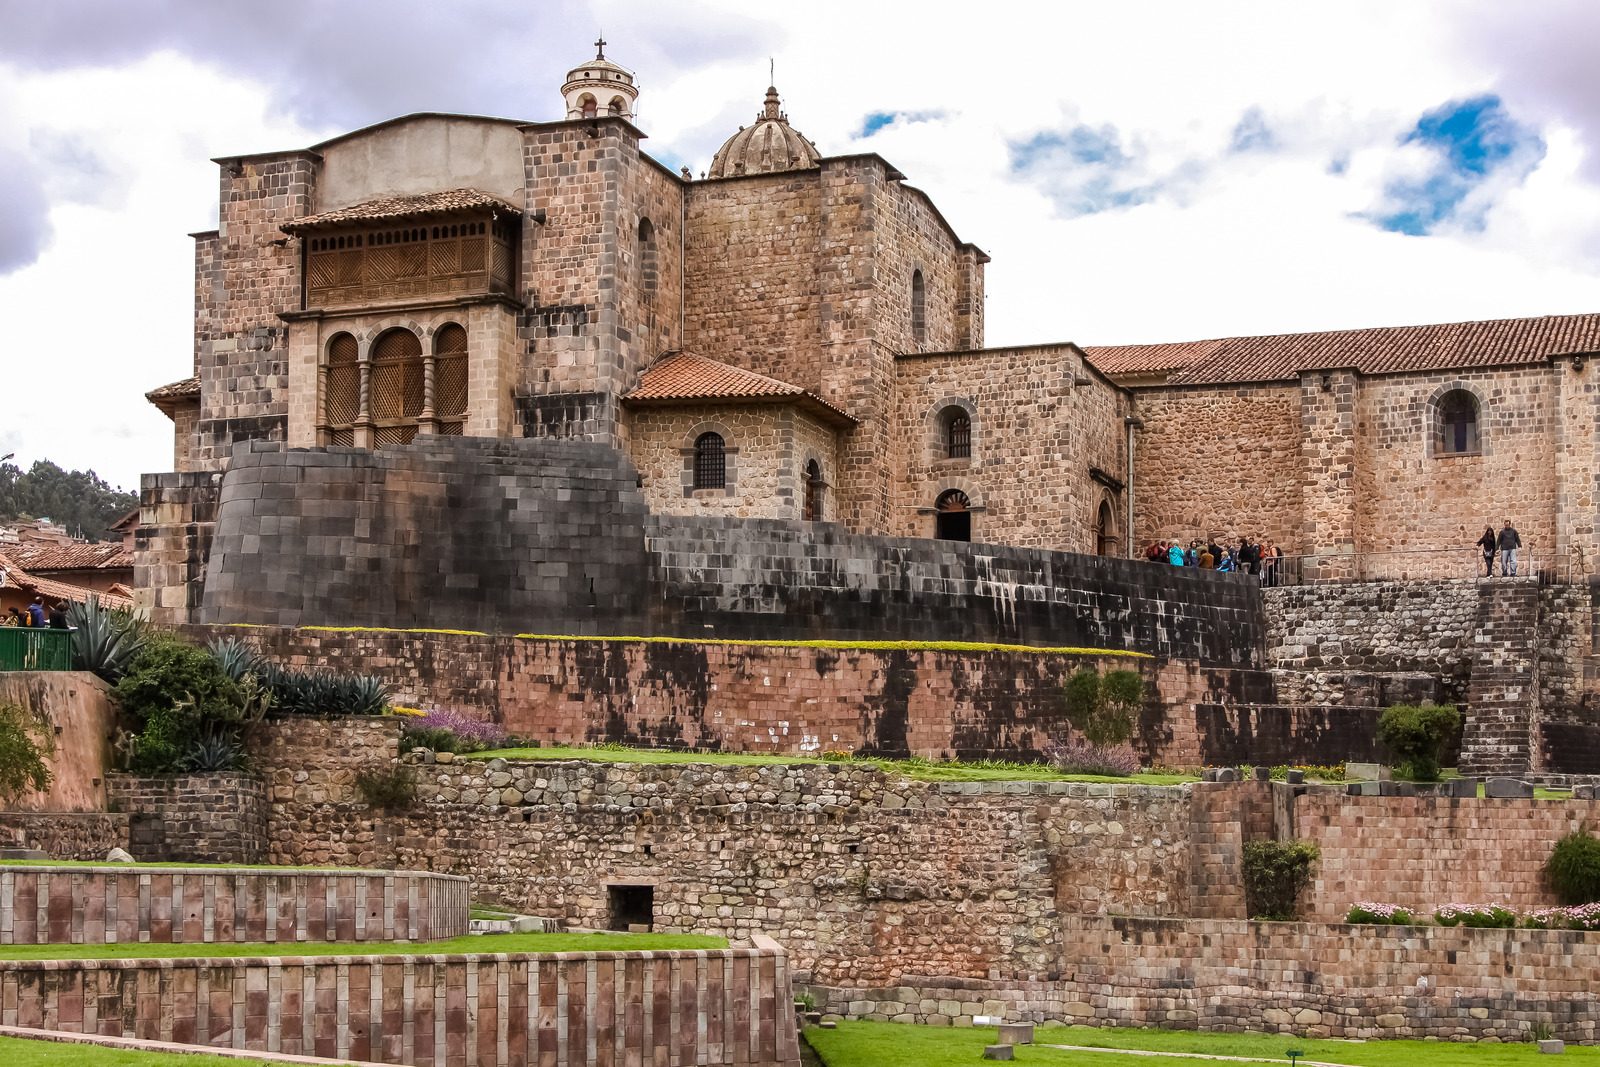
553	537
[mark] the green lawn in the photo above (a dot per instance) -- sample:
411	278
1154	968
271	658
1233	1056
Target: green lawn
17	1052
920	770
481	943
866	1044
211	866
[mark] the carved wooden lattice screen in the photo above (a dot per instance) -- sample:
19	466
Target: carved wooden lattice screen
450	378
396	386
444	259
341	391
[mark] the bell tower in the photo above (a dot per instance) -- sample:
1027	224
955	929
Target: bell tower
599	88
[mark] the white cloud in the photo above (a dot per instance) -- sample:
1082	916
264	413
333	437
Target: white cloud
1266	240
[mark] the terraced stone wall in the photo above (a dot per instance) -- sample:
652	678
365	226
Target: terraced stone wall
715	1008
1306	979
42	905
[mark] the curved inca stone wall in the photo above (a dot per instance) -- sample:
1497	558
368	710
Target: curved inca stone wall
553	537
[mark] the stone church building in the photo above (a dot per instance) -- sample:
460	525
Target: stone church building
798	336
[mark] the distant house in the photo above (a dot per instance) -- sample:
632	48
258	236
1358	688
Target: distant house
19	586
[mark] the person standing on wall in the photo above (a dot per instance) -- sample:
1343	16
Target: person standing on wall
1508	543
1487	543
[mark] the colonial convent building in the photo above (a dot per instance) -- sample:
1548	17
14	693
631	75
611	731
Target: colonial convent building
801	336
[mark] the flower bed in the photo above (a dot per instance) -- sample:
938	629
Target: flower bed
1481	916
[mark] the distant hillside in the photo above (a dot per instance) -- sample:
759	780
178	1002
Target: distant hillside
81	502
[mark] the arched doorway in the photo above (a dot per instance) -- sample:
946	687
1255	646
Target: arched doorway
952	519
1105	531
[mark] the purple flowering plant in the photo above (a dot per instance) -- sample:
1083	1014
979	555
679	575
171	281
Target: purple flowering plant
451	731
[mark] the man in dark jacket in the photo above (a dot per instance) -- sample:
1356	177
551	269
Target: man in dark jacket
1509	542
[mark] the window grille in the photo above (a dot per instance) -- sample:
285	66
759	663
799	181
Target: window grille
958	435
710	462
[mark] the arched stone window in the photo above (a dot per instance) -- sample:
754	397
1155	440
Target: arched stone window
647	256
341	390
952	516
1455	429
815	488
955	433
1105	531
396	387
617	106
589	105
710	461
450	378
919	309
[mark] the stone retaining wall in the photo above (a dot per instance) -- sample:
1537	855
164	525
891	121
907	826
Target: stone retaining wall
1308	979
105	905
562	1010
65	835
193	818
771	698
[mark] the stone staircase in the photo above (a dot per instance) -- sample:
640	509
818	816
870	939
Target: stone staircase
1497	738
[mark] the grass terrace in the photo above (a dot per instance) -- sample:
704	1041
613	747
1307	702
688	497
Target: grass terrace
19	1052
475	944
868	1044
917	769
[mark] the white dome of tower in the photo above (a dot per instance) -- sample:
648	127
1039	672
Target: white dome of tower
599	88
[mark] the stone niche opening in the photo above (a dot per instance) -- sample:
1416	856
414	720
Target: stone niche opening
632	907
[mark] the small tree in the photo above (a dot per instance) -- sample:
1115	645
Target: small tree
1574	868
24	744
1103	708
1417	736
1274	874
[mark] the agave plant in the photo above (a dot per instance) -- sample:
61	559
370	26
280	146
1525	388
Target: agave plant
105	640
364	694
236	658
217	752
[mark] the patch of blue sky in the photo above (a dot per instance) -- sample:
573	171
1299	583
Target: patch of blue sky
1083	170
877	120
1471	140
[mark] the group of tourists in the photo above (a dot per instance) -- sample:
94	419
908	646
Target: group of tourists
1261	558
1506	543
37	615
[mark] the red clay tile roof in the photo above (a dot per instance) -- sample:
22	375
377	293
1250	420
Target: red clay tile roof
683	378
390	208
183	390
1383	350
14	577
38	556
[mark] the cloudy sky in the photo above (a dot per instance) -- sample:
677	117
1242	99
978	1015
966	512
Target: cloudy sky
1139	171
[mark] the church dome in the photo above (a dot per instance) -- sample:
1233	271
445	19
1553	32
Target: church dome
771	145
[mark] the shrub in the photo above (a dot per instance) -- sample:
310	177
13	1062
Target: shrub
188	713
1102	708
1573	868
451	731
1274	874
391	788
1417	735
1081	757
105	641
1374	913
1482	916
24	744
